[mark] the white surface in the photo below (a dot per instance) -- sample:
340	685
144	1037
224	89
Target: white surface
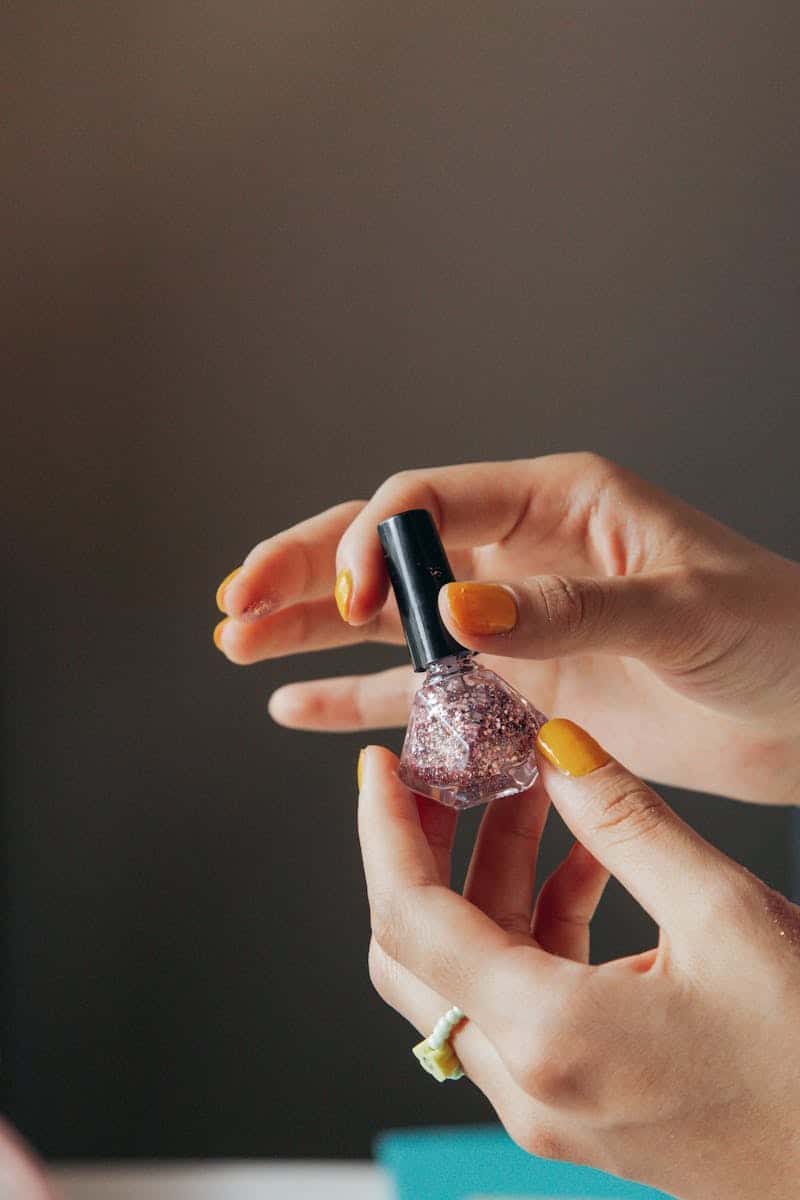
223	1181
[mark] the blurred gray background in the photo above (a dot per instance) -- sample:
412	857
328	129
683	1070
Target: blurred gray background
255	257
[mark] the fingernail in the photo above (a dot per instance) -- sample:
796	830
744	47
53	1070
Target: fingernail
218	633
481	609
343	592
570	748
223	585
360	769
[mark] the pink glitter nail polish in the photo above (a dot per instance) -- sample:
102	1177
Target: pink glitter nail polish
470	738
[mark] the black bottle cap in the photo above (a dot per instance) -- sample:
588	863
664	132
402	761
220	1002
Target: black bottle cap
418	568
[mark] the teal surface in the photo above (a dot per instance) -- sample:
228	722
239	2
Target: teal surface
453	1163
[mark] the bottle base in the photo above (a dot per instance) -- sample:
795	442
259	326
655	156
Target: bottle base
469	793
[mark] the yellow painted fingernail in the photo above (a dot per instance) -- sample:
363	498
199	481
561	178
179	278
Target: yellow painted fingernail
570	748
481	609
223	585
343	592
360	769
218	633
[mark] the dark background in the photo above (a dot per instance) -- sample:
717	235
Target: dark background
255	257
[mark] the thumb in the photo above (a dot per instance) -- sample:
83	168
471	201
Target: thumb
672	872
645	616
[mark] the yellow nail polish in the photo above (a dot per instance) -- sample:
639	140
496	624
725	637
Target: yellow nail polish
223	585
343	592
360	769
218	633
570	748
482	609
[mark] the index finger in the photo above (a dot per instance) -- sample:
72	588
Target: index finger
472	504
293	565
436	934
544	503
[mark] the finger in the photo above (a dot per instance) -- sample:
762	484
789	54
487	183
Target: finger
422	1007
526	1119
567	903
502	871
652	616
379	701
663	863
315	625
473	505
438	823
296	564
439	936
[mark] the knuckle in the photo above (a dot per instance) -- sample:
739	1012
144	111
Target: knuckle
347	509
391	926
553	1060
553	906
383	972
401	483
361	699
628	811
570	606
410	489
513	922
592	464
551	1076
541	1142
300	629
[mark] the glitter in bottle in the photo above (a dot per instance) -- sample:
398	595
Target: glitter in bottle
470	738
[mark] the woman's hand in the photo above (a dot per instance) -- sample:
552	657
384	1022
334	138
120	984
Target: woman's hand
677	638
678	1067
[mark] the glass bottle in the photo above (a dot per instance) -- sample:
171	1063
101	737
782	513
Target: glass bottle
470	737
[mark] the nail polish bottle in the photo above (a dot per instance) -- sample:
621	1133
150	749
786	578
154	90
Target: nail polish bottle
470	737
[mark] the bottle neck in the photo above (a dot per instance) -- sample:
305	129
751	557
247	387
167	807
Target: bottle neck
453	664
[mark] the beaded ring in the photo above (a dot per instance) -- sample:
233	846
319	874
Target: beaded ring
436	1054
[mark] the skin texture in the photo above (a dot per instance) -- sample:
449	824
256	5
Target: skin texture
671	636
676	641
678	1067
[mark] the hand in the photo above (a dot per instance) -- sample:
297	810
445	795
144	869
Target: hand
677	1068
20	1175
663	628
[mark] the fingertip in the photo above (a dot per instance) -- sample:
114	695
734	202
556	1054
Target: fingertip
481	616
368	597
375	764
382	761
356	605
462	636
343	592
227	639
362	582
285	706
382	793
569	748
223	587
